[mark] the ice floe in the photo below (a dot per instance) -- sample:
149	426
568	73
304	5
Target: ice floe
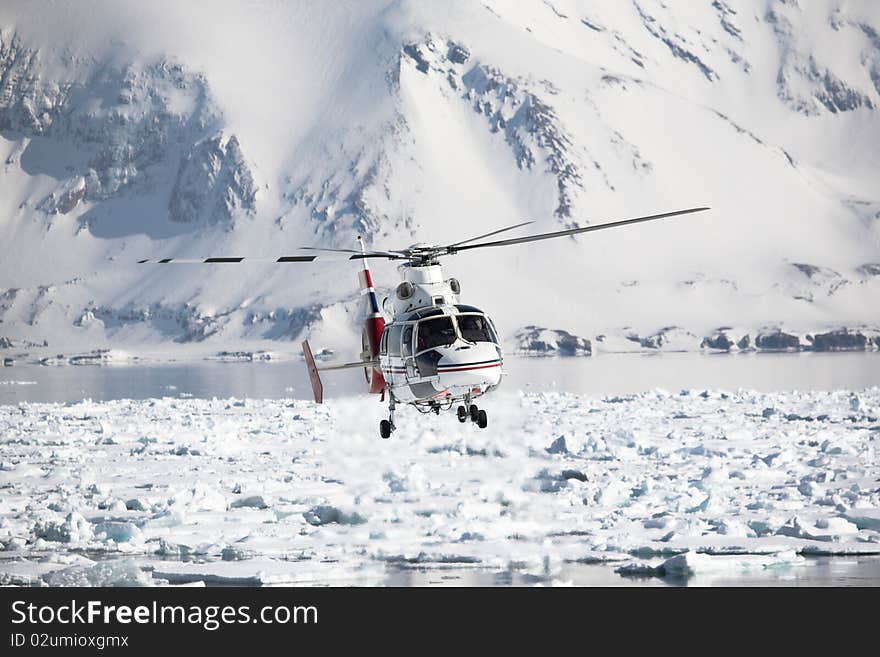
184	491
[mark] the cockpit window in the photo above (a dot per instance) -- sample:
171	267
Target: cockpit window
406	347
435	332
475	328
394	340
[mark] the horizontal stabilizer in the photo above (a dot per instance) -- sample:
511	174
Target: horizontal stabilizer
314	377
350	366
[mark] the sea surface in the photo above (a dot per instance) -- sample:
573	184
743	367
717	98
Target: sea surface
600	375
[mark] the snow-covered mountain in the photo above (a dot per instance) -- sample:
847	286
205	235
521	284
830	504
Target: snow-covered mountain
136	130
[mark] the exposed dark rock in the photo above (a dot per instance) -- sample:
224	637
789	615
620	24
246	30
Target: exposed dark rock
529	124
127	125
243	355
189	324
186	322
809	270
25	105
551	342
415	52
675	44
869	269
725	13
803	83
9	343
745	342
660	338
718	341
458	54
213	181
814	271
835	94
67	198
841	340
283	323
872	35
777	341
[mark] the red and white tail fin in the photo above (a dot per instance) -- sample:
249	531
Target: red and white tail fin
371	335
373	326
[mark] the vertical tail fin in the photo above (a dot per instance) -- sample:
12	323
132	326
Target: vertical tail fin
374	325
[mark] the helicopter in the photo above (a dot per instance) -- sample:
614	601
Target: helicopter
436	352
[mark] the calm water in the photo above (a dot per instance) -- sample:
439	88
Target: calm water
607	374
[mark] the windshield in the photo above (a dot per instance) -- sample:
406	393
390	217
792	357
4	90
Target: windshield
435	332
475	328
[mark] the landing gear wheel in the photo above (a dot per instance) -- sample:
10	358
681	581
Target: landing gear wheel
474	413
482	419
462	414
385	429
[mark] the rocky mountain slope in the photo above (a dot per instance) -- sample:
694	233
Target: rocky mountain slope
131	131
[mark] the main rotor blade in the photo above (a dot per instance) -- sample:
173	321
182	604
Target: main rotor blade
433	252
320	248
368	254
401	253
577	231
281	259
494	232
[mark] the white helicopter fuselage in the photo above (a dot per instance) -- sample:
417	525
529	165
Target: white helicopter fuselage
437	351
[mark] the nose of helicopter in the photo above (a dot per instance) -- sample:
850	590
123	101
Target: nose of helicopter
470	365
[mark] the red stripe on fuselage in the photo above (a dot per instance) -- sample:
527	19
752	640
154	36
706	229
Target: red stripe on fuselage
465	369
